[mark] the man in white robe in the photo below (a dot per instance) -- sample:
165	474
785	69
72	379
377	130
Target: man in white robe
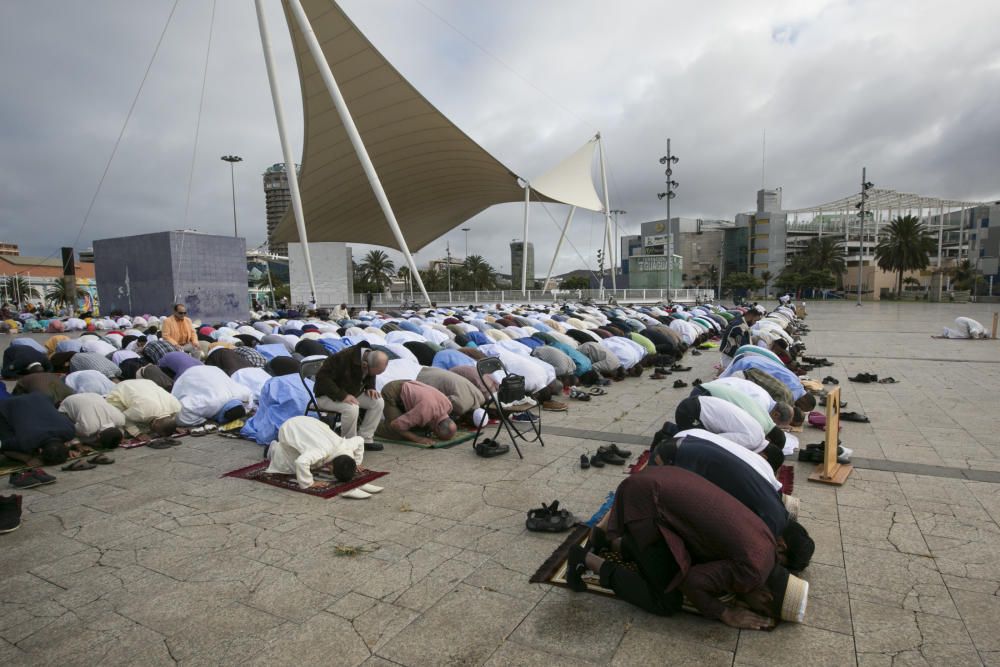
146	406
966	327
306	443
95	420
206	392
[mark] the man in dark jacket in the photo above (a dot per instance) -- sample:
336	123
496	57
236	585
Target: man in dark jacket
345	384
20	360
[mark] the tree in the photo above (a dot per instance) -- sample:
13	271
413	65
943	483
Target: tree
766	277
19	290
910	281
826	254
575	282
744	281
376	271
697	280
964	275
480	273
62	292
907	247
713	275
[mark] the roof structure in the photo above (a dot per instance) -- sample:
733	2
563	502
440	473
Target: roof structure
879	198
434	175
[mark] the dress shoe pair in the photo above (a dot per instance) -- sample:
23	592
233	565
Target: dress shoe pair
612	454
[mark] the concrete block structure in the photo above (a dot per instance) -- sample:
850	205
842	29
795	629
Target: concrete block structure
333	270
148	273
516	257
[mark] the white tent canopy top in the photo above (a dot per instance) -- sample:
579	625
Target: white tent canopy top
434	175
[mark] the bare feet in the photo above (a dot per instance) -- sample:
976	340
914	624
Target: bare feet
744	619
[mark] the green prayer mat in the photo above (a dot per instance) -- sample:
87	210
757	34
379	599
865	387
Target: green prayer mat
460	437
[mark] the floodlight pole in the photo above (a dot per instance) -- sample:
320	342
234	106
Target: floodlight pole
352	132
286	149
861	230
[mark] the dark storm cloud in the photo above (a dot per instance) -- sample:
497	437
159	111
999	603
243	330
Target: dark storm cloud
837	85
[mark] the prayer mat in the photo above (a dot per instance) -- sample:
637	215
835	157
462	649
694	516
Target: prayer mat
460	437
786	475
640	463
256	472
234	425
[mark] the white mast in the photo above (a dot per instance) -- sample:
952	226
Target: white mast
352	132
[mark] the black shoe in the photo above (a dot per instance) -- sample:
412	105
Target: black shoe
661	370
584	461
374	446
696	353
598	541
618	451
10	513
696	382
24	480
596	461
575	569
42	476
829	379
608	456
679	384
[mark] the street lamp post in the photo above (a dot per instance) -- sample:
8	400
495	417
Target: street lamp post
466	230
865	186
233	159
670	160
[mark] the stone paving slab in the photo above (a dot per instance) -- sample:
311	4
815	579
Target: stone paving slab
157	560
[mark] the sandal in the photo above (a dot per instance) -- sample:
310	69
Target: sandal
888	380
597	391
678	384
549	519
657	376
102	460
79	464
579	395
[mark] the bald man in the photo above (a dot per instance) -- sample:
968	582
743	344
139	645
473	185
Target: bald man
345	384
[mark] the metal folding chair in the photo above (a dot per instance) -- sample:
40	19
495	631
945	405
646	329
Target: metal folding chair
308	371
491	365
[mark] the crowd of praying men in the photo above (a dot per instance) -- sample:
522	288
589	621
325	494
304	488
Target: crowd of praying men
411	375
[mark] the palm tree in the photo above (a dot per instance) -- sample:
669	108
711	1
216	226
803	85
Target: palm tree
377	270
19	290
907	247
826	254
62	292
482	275
964	275
766	277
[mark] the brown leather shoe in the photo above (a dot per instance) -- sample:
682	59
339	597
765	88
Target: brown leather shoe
554	406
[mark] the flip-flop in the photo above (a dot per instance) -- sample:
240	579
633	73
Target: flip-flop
597	391
163	443
79	464
102	460
887	381
579	395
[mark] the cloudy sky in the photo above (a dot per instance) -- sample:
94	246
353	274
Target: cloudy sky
908	88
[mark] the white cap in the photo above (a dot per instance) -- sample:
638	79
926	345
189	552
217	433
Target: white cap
479	417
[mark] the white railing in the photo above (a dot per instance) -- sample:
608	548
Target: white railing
622	296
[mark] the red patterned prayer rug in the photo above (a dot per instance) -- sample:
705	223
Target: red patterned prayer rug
256	472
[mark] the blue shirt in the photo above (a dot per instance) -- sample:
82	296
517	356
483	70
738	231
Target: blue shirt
779	371
448	359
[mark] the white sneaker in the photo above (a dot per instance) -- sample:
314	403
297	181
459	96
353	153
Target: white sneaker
356	494
370	488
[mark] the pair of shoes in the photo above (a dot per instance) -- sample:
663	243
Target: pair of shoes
678	384
374	446
585	462
579	395
661	370
657	376
27	479
554	406
854	417
696	382
822	402
489	448
864	378
549	519
829	379
608	455
10	513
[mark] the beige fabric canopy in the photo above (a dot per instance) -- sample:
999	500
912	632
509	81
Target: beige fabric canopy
435	176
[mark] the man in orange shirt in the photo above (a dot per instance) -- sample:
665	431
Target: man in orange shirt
179	331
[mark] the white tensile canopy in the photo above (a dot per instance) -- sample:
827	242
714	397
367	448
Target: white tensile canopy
435	176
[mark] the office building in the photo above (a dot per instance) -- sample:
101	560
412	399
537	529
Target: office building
277	200
516	257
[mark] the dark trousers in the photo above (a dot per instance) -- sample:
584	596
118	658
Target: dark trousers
646	588
688	413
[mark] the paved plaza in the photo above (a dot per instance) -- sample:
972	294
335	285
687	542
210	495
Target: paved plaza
156	560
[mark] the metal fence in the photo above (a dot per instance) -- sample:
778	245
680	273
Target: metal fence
540	296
